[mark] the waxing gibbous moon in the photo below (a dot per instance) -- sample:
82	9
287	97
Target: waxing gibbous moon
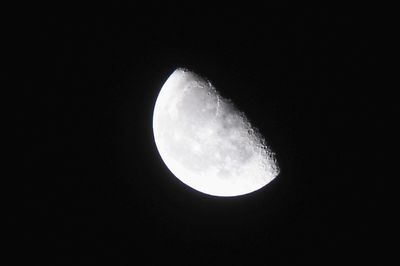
206	142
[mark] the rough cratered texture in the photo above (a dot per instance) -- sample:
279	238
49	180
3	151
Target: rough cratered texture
206	142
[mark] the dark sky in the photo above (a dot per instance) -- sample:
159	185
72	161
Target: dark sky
90	186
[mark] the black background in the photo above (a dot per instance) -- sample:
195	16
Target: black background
90	186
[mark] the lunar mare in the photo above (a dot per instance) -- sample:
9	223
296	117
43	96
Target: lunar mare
206	142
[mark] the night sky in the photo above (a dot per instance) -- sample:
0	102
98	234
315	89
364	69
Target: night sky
90	187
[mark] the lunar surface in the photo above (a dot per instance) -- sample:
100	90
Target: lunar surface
206	142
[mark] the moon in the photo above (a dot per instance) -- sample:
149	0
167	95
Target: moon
206	142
